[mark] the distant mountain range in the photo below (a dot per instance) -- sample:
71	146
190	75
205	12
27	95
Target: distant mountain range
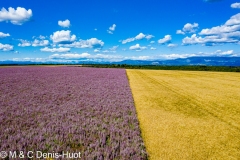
208	61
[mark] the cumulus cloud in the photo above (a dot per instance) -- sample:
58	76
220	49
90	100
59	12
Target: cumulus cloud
3	35
70	56
234	20
6	47
152	48
105	51
115	58
235	5
171	45
113	48
17	17
128	40
137	47
229	52
89	43
166	39
61	49
37	43
87	56
112	28
138	57
226	33
42	37
191	28
207	40
149	36
188	28
179	32
63	37
140	36
96	50
24	43
220	29
64	24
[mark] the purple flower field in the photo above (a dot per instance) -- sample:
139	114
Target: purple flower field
75	109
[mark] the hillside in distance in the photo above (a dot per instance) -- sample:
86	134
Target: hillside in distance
208	61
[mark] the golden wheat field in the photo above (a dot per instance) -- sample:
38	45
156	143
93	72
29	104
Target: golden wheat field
189	115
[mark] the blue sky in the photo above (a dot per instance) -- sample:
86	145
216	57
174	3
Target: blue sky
117	30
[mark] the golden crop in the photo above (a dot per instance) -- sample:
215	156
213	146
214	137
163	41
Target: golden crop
188	114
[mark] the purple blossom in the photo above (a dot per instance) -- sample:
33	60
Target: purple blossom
73	109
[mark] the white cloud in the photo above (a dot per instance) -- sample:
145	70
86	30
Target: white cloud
152	48
175	56
63	37
17	17
41	43
87	56
234	20
166	39
89	43
110	32
70	56
112	28
152	42
188	28
61	49
128	40
149	36
208	40
191	28
138	58
113	48
3	35
96	50
226	33
42	37
35	43
220	29
171	45
140	36
64	24
6	47
105	51
137	47
179	32
217	53
229	52
235	5
137	37
24	43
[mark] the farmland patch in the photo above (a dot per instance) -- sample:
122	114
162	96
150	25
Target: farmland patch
187	114
70	109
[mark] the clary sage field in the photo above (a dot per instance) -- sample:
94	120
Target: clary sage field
60	109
